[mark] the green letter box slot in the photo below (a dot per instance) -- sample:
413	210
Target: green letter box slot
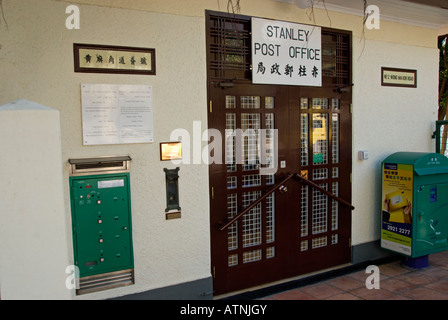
415	203
102	230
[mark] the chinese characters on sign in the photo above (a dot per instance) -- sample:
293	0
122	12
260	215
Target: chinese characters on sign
286	53
112	59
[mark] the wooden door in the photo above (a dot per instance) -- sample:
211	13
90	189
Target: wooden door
268	133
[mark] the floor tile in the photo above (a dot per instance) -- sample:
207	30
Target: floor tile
396	283
346	283
438	274
440	286
416	277
396	286
321	290
393	269
344	296
360	276
425	294
372	294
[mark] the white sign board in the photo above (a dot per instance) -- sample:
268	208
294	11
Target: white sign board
286	53
117	114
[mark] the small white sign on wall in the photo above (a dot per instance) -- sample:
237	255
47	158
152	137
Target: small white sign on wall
286	53
117	114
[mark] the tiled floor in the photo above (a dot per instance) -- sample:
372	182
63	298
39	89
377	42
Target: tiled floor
396	283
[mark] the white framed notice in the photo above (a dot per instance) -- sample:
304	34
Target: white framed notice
286	53
117	114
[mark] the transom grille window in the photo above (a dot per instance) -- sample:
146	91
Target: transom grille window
229	49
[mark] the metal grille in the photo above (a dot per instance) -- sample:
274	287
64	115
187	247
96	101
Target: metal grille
270	252
320	208
269	102
320	174
251	256
319	242
229	48
334	207
232	260
232	182
270	140
320	103
304	139
335	58
303	245
257	227
270	218
303	103
230	142
232	233
250	102
335	138
250	125
304	212
252	220
230	102
252	180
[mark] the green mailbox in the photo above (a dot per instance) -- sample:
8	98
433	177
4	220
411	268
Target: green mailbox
101	223
414	218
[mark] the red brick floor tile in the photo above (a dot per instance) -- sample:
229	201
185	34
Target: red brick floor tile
422	293
440	286
396	283
372	294
321	290
346	283
396	286
360	276
344	296
398	297
416	277
438	274
392	269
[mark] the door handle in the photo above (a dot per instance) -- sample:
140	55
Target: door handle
283	189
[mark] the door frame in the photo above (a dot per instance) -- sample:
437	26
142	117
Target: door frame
242	76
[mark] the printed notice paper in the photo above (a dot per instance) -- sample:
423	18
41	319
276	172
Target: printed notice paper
117	114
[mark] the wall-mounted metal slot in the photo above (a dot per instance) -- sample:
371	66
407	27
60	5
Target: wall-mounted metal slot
172	189
99	165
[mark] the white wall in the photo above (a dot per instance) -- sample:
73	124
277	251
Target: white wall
34	251
387	120
36	56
